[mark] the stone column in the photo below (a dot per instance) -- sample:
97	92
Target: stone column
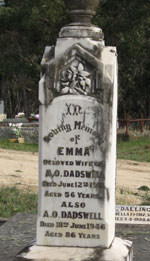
77	157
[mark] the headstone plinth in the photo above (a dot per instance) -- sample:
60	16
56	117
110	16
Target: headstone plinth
120	250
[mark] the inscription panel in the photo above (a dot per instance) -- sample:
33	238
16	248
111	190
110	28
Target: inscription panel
72	174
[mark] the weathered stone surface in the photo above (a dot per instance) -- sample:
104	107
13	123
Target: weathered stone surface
15	235
6	133
15	120
80	125
83	31
81	13
82	10
73	64
29	133
92	47
72	173
120	250
82	4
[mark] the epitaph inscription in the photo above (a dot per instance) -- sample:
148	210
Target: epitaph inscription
73	173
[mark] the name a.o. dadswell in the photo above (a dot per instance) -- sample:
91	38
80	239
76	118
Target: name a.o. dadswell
75	215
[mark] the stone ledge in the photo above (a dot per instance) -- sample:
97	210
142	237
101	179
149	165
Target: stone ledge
120	250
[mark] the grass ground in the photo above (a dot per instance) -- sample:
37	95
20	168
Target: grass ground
5	144
137	149
13	200
125	196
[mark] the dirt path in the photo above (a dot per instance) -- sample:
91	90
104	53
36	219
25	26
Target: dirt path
131	175
21	169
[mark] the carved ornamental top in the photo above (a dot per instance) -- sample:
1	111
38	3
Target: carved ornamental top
75	81
82	10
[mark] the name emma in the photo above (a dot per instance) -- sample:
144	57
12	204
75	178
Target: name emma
73	151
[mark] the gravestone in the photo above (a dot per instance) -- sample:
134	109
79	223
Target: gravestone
77	142
2	115
133	214
2	2
1	107
1	98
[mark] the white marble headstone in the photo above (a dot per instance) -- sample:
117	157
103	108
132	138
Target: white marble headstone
77	142
73	187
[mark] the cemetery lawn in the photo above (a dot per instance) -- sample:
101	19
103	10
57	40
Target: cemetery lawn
5	144
13	200
133	168
137	149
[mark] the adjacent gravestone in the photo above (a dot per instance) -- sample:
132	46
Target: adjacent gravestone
1	107
1	96
2	2
77	157
133	214
2	115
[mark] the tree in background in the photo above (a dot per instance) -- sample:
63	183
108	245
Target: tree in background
26	27
126	24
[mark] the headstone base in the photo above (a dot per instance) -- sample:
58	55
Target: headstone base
120	250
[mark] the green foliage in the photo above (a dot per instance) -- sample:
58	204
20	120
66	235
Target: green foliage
136	149
126	24
26	28
144	188
13	200
146	199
